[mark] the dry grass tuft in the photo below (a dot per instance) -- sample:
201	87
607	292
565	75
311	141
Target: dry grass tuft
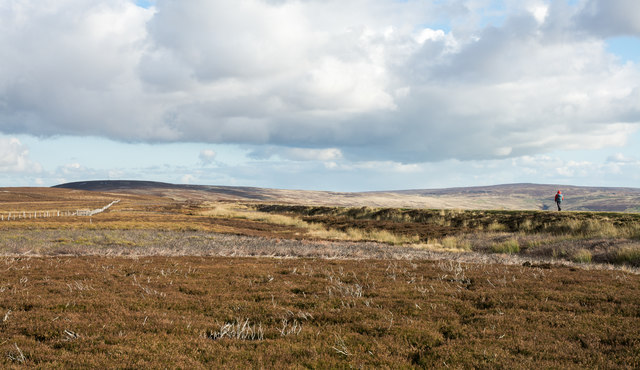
629	255
239	330
454	242
582	256
510	246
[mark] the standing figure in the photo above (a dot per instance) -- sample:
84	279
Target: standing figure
559	199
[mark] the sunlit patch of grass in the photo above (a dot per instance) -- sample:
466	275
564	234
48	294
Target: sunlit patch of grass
354	234
526	225
510	246
590	228
628	255
453	242
382	236
582	256
496	226
313	229
242	212
447	244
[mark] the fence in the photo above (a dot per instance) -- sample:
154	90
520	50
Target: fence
18	215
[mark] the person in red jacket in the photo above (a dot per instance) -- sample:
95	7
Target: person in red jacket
559	199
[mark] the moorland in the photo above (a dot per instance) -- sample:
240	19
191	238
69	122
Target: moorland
187	276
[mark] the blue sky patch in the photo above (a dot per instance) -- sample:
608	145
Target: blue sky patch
626	47
145	3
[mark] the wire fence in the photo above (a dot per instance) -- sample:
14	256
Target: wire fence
24	215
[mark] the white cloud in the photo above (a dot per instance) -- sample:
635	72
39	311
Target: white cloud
14	157
540	11
297	154
207	156
300	154
610	17
115	174
623	159
188	179
364	80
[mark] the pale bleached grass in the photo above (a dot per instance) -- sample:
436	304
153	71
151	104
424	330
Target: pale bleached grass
353	234
237	211
453	244
143	243
314	230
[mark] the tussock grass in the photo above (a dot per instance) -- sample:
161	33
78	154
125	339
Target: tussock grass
552	235
510	246
354	234
588	228
496	226
447	244
628	255
582	256
454	242
242	212
587	224
314	230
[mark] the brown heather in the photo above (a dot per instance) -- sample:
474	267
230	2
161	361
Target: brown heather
159	283
203	312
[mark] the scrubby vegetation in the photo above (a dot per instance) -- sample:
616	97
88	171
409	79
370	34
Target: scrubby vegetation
214	312
160	283
570	236
584	224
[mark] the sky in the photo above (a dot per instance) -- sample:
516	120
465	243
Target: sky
336	95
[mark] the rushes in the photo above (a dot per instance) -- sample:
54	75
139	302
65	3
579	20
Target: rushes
289	328
240	330
341	347
19	357
147	290
79	286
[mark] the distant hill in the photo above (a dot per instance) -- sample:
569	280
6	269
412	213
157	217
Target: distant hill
510	196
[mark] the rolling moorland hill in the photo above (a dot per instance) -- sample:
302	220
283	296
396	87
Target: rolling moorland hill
508	197
170	277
